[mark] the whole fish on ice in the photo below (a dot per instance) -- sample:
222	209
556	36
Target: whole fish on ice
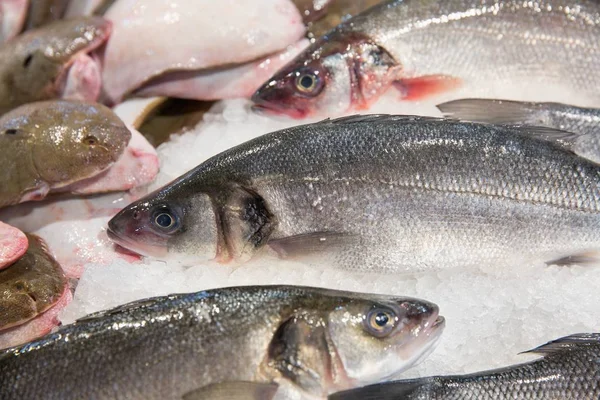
425	48
52	62
52	144
569	370
378	193
233	343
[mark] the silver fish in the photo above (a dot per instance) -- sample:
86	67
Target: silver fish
569	370
426	48
378	193
245	342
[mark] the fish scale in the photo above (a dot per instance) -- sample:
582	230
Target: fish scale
393	193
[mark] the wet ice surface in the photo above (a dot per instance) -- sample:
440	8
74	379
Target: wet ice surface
491	316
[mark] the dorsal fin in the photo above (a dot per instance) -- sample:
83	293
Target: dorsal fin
358	118
565	343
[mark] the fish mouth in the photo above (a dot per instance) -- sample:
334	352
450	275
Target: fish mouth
136	247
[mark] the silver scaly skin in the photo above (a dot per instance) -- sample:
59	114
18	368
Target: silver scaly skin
297	341
569	370
478	48
378	193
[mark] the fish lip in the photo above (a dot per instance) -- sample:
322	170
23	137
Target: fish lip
125	242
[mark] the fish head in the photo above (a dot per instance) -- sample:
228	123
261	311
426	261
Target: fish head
43	63
69	141
331	76
168	224
377	337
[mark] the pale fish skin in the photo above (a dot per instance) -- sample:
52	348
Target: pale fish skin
569	370
396	194
301	342
432	49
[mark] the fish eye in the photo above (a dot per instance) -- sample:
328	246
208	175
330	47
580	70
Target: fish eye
90	140
166	221
307	82
380	322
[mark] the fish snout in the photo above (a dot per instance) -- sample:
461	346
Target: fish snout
131	228
273	98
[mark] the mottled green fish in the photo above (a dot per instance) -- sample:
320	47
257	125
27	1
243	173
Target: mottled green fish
52	62
234	343
48	145
30	286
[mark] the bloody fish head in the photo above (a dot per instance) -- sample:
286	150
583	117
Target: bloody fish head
331	76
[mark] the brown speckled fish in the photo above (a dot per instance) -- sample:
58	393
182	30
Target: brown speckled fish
51	144
30	286
52	62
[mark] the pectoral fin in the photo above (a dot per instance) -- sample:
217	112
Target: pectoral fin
234	390
310	244
422	87
585	258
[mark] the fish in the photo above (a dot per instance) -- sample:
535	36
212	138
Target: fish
42	12
31	285
13	244
52	62
51	144
418	47
231	35
377	193
246	342
568	369
12	18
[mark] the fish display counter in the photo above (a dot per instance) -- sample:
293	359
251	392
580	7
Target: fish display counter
299	199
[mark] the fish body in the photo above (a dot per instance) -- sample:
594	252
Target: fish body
52	62
430	48
51	144
30	286
377	193
307	341
569	370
